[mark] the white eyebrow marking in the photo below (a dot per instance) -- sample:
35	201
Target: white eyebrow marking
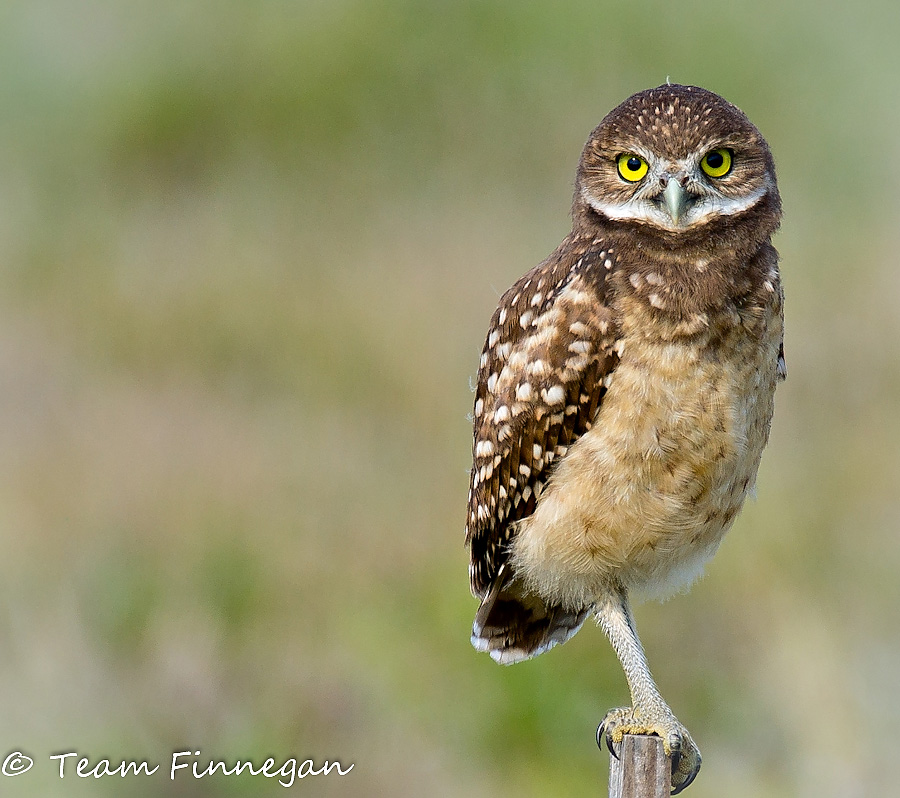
642	210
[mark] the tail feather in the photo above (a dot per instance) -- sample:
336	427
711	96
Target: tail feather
513	625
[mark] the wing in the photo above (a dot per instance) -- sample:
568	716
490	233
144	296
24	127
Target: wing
541	379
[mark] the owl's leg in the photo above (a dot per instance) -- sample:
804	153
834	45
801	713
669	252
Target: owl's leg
648	713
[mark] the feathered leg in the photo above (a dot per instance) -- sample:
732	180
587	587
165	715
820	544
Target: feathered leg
648	713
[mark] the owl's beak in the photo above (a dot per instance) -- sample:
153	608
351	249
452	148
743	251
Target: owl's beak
676	199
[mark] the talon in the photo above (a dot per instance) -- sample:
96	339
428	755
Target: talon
609	745
687	783
686	763
676	758
680	748
602	735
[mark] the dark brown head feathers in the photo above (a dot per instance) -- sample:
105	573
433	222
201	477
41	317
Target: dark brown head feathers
672	127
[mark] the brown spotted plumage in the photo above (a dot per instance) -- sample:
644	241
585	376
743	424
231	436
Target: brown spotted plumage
625	390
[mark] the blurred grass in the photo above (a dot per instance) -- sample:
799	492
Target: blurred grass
248	253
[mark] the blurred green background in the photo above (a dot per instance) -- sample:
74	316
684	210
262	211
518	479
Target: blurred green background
249	251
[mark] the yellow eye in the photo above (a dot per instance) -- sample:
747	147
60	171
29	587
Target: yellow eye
716	163
631	167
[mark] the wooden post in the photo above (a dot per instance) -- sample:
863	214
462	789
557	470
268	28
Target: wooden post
642	770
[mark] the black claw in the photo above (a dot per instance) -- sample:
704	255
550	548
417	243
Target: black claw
602	735
609	745
690	778
688	783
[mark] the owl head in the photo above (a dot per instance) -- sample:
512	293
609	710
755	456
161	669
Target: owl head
675	160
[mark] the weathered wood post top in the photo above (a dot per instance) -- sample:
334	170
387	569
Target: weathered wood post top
642	770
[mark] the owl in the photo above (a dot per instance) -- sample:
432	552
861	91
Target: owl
625	392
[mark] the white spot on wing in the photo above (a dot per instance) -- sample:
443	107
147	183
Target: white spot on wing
556	395
537	367
578	328
523	392
484	448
